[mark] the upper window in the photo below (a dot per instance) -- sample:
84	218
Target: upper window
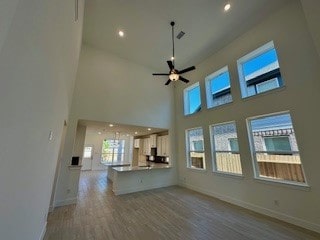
192	99
218	88
225	148
259	71
275	149
195	149
112	152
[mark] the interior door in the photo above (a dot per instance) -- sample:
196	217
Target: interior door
87	157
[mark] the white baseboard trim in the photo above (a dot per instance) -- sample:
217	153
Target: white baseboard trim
271	213
43	232
65	202
139	189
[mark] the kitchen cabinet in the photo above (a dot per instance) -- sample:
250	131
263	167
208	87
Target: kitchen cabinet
153	140
163	146
146	146
136	143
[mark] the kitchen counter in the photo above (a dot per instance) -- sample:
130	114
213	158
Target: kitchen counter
139	168
128	179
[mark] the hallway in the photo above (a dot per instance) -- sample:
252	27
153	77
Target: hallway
167	213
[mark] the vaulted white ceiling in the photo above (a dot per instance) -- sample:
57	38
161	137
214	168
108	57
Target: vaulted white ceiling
146	24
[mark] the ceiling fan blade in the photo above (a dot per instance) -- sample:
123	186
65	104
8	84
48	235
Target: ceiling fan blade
167	83
170	64
183	79
187	69
160	74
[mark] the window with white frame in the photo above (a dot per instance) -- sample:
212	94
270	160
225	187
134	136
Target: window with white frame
87	152
225	148
192	99
259	71
112	151
275	149
195	148
218	88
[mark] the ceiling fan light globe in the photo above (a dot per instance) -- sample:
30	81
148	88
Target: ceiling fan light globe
173	77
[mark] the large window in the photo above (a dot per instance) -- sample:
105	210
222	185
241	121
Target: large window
259	71
195	149
192	99
112	152
275	149
218	88
225	148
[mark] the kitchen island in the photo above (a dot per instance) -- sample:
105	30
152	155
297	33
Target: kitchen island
128	179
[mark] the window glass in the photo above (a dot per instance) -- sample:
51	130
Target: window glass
218	88
278	144
259	71
195	148
234	146
275	148
87	153
225	148
192	99
112	151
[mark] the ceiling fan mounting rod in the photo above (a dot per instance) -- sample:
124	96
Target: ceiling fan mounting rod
172	26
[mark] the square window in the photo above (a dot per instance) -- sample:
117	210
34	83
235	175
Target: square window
225	148
279	143
195	148
192	99
275	149
259	71
218	88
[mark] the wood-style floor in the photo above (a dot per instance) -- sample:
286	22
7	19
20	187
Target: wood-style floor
167	213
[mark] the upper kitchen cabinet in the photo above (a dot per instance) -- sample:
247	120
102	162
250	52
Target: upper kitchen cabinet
153	140
136	143
163	146
146	146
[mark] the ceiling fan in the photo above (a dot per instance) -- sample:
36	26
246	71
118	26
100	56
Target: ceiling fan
174	74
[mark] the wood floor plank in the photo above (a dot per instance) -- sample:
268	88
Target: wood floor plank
166	213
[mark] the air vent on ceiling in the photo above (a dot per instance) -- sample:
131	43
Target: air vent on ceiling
180	35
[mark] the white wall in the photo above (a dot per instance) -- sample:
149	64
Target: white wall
112	89
300	68
39	49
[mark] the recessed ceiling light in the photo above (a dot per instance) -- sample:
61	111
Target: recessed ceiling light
227	7
135	132
128	135
99	133
110	125
149	129
121	33
172	58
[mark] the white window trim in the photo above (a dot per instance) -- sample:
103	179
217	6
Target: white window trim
186	101
208	87
188	150
254	158
240	61
213	155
